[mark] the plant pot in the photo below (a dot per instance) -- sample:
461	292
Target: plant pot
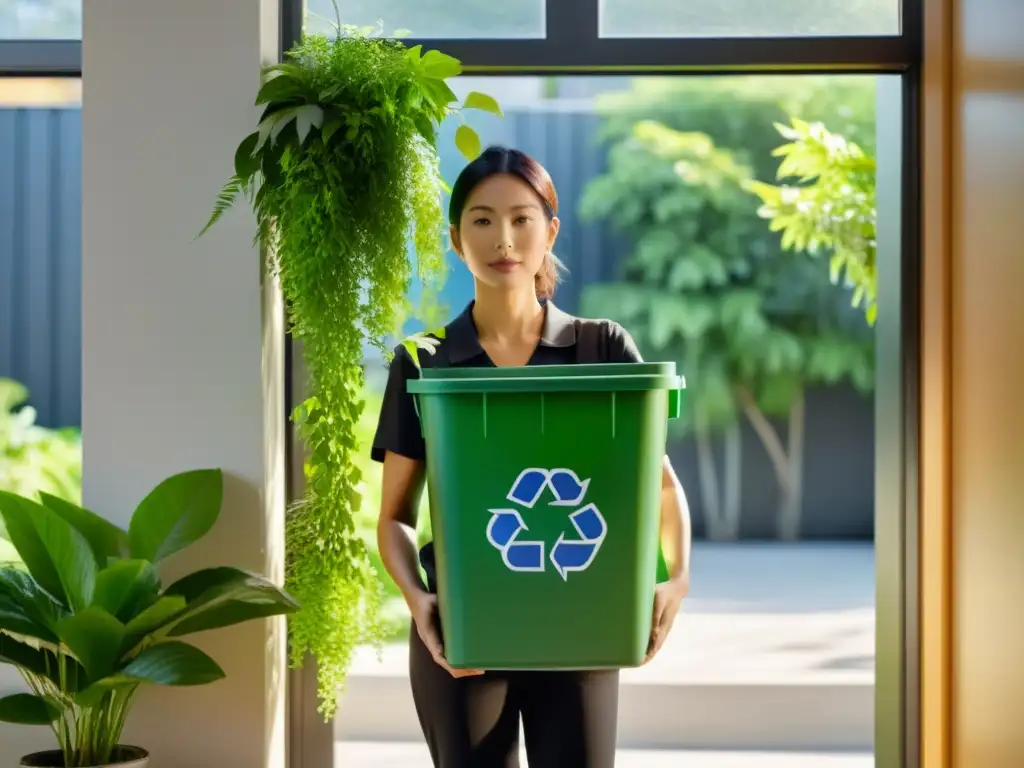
124	757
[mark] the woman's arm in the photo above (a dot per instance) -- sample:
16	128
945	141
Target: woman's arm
675	527
675	545
401	488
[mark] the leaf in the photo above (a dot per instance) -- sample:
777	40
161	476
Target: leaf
178	512
126	587
57	555
306	118
468	142
481	101
173	663
27	709
246	163
226	198
95	637
330	128
157	615
15	619
105	538
440	65
219	597
36	660
279	87
35	604
17	513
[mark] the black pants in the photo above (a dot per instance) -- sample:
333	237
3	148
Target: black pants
569	718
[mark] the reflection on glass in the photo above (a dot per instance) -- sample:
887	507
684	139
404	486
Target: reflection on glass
40	19
433	19
748	18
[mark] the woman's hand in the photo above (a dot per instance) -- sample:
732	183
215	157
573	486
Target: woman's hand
423	606
668	597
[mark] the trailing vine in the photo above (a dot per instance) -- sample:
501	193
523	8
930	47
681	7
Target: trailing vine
342	171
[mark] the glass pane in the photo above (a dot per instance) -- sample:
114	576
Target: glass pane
433	19
40	19
748	18
662	231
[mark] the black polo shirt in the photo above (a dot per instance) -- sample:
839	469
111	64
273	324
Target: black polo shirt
398	429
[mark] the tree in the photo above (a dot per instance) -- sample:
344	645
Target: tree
707	283
830	208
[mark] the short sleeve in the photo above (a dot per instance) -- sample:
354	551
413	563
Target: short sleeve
621	347
398	428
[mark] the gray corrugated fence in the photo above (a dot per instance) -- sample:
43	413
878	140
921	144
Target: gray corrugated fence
41	258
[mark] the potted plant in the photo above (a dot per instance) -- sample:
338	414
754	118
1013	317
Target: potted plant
86	619
341	171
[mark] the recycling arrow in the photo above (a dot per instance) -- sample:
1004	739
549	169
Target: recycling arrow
567	555
565	486
503	531
576	555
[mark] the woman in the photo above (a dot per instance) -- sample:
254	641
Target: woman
503	226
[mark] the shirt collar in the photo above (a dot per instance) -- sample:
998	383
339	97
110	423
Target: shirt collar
463	342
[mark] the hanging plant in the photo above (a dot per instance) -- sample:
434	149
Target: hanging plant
341	171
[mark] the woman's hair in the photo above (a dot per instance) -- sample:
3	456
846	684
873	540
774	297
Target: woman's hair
496	160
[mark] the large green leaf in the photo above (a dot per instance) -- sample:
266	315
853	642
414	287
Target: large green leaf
17	513
27	709
179	511
155	616
14	619
41	662
95	637
440	65
126	587
173	663
105	538
220	597
31	601
57	555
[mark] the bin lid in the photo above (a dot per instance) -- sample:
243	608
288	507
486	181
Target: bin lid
595	377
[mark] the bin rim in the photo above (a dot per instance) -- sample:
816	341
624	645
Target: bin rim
572	370
540	384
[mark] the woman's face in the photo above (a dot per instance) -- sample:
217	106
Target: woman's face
504	233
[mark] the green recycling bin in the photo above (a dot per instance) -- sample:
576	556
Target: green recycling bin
544	487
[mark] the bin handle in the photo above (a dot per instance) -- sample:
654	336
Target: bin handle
675	399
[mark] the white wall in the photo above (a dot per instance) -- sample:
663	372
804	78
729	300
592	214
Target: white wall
181	358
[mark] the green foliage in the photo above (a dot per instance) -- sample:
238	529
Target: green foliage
87	621
34	459
831	207
342	170
706	281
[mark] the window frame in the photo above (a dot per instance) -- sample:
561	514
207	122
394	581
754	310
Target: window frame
573	46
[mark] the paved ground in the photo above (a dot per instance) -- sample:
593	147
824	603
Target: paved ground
384	755
800	613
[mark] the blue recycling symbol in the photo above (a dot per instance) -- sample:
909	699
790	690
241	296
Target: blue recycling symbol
567	555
